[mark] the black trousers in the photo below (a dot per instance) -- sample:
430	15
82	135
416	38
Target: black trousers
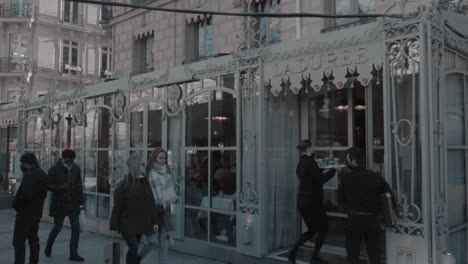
26	228
133	241
363	228
75	232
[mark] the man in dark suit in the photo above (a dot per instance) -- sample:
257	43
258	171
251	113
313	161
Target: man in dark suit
67	200
360	191
28	203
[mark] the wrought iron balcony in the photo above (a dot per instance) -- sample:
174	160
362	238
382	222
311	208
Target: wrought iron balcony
14	65
15	10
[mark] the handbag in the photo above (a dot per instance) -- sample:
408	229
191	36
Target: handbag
387	211
82	221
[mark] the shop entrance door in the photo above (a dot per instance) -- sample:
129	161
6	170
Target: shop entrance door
336	121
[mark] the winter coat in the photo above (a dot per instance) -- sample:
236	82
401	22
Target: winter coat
311	180
135	211
67	190
29	199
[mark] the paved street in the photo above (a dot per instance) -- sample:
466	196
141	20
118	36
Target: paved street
91	246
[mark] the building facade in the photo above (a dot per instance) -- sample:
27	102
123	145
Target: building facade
49	46
231	97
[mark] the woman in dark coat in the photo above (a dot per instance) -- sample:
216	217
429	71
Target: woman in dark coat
134	212
310	201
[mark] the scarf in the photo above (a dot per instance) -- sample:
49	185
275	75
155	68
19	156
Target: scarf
162	186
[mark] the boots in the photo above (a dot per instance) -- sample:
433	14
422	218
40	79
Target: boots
48	250
76	257
318	260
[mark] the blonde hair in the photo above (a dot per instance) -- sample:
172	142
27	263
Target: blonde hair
133	164
152	158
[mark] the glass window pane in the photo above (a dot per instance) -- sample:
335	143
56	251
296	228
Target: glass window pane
457	245
223	188
34	133
328	120
91	135
197	120
90	205
223	119
120	135
196	224
136	127
154	125
377	114
223	229
90	171
359	111
103	207
457	186
455	110
103	176
105	128
228	81
196	173
77	137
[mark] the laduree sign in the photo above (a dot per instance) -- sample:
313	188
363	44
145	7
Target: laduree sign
326	71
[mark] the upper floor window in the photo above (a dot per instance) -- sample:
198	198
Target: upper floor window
144	60
106	62
18	45
70	12
348	7
70	55
106	12
199	39
269	27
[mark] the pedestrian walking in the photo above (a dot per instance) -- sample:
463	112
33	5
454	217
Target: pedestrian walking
310	202
163	189
134	212
67	200
28	204
360	191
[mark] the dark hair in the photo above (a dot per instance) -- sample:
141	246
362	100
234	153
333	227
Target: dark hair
304	145
68	154
356	154
29	158
152	157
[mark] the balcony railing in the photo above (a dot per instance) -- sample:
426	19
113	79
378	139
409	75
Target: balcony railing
14	65
15	10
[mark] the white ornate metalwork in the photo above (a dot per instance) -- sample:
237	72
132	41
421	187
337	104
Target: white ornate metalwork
119	106
249	202
78	114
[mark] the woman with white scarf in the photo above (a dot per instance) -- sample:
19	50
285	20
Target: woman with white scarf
162	186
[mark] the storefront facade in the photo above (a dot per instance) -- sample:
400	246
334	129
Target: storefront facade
231	125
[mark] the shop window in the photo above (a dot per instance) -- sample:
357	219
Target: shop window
70	55
269	27
200	40
210	161
70	12
347	7
144	59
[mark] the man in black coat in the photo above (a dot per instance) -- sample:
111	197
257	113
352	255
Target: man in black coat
67	200
360	192
28	203
310	202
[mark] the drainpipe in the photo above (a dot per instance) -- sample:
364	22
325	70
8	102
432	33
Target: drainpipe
298	20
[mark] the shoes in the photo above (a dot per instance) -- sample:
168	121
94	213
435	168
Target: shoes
291	258
318	261
76	258
48	251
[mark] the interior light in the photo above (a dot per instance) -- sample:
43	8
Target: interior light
218	118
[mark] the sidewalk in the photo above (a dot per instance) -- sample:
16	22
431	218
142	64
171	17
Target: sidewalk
91	246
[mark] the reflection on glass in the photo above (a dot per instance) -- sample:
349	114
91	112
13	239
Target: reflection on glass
359	97
223	188
90	205
197	122
328	119
223	229
196	224
196	173
90	171
120	135
34	133
105	128
210	82
457	186
223	120
91	135
135	96
103	207
457	245
455	110
154	125
377	115
57	131
136	127
103	176
228	81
